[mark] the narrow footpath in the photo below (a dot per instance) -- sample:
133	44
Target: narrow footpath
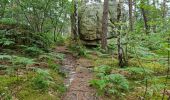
78	77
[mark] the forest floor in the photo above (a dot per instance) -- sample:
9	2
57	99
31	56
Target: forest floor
79	75
61	74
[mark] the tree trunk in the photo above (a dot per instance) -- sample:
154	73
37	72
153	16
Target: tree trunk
130	15
105	25
154	26
145	19
120	49
135	10
164	9
74	21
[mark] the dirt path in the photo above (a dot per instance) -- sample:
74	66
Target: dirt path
78	78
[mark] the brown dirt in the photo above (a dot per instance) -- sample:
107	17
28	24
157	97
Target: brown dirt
78	77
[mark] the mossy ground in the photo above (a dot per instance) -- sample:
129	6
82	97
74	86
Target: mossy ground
19	84
156	79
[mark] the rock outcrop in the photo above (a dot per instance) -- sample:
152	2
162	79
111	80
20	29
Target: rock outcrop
90	22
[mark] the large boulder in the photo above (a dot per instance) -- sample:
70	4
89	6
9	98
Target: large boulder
90	22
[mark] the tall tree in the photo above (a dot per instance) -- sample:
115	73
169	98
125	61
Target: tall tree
121	55
105	25
164	8
154	5
130	15
74	20
144	14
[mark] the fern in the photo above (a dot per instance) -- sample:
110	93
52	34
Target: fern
22	60
5	57
8	21
33	51
6	42
42	79
105	69
54	55
118	80
79	50
115	84
109	83
138	72
100	85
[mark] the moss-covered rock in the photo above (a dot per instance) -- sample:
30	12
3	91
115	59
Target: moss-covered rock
90	22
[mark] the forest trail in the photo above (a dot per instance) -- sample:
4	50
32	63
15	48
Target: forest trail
78	77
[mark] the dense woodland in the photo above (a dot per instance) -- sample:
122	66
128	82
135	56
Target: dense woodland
84	50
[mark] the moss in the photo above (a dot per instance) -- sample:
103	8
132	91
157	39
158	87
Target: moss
54	91
7	81
106	61
155	86
156	67
23	89
28	93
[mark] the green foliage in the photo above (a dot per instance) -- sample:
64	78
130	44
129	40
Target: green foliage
60	40
60	87
6	42
79	50
22	61
153	41
5	83
42	79
26	39
119	81
82	51
56	55
10	70
138	72
8	21
6	95
33	51
53	65
100	85
5	57
103	69
60	56
108	83
17	60
111	84
45	40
